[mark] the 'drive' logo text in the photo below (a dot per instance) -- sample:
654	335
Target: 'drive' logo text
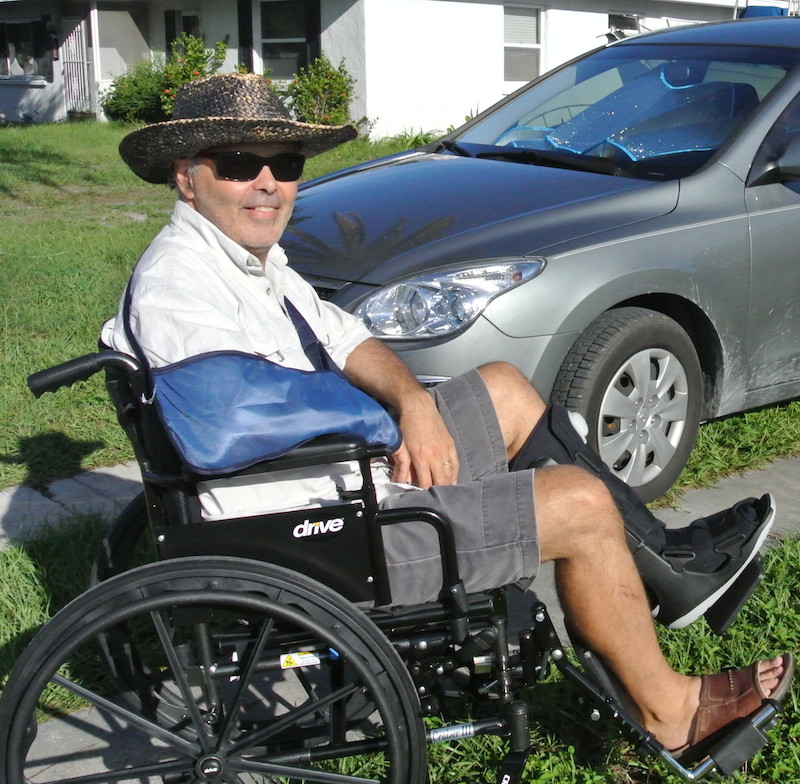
307	528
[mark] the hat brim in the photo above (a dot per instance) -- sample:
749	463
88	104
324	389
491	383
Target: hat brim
151	151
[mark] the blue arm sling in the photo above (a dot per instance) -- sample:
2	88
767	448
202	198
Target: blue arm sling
227	410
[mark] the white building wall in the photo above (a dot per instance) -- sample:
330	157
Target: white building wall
429	63
122	45
568	33
343	35
218	20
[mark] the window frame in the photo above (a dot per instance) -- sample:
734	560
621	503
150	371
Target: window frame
537	47
40	54
307	45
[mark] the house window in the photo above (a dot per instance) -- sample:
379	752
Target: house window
176	23
26	49
522	43
289	35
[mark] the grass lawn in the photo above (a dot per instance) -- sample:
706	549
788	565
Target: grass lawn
74	220
38	578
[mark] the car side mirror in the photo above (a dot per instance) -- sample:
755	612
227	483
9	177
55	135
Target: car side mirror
785	169
789	163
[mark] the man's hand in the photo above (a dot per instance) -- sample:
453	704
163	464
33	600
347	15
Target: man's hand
427	455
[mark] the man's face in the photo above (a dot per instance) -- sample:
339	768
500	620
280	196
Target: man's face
252	213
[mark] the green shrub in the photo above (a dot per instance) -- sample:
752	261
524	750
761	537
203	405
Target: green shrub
321	93
189	59
136	95
412	138
146	93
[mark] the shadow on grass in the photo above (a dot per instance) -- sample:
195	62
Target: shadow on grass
51	559
51	455
21	167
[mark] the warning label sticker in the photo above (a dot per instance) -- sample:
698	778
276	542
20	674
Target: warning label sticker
298	659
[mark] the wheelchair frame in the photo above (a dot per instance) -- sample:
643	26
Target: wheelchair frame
196	648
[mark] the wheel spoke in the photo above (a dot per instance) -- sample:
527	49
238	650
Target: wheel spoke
135	719
139	772
293	717
179	675
614	448
321	776
619	405
661	447
638	368
633	472
245	681
670	374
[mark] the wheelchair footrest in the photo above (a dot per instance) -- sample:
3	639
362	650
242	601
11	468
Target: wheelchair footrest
733	748
512	767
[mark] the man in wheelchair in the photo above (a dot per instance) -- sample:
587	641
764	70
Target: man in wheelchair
513	474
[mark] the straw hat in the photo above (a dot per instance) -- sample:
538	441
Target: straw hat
218	110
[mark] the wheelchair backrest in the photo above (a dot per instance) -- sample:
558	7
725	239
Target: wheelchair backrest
338	545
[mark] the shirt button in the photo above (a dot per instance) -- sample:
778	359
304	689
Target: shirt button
268	291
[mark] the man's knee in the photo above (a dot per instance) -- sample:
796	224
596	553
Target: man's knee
575	508
517	404
505	377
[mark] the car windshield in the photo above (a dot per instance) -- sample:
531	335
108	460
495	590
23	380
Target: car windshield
641	110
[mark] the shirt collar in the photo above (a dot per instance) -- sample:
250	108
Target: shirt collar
188	219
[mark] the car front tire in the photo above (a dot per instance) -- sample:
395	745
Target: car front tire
635	377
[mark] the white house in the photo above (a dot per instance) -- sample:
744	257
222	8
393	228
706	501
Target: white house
419	64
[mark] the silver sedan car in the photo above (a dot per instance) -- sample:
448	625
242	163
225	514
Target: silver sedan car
623	230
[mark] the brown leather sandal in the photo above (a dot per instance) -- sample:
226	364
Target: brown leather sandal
731	695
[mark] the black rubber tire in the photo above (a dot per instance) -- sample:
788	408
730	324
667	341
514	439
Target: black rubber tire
218	695
125	544
610	376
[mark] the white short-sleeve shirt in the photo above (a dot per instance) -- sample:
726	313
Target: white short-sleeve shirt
195	290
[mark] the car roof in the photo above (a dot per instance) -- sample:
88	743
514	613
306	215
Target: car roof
758	31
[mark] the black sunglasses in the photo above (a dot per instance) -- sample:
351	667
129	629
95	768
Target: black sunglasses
245	166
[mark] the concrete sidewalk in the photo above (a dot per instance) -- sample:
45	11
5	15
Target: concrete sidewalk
23	510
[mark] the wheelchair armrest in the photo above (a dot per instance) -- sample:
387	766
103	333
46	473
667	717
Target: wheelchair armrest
320	451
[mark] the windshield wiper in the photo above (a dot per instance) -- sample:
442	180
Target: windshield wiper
562	160
454	147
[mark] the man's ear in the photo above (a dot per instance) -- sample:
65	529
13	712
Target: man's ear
183	179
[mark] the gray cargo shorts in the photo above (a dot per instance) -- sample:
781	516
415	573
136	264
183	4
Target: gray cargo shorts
491	509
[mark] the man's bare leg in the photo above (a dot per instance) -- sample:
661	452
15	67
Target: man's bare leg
600	590
686	569
517	404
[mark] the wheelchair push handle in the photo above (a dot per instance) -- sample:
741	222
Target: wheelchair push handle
78	369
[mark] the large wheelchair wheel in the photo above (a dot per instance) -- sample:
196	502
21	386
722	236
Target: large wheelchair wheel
246	673
126	542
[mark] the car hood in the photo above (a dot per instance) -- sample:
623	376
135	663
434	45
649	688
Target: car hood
417	211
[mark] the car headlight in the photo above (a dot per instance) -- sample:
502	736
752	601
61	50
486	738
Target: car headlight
442	302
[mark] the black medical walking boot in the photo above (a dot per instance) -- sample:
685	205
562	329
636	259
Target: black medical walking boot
681	587
687	570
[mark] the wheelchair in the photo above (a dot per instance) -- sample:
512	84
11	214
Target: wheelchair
267	649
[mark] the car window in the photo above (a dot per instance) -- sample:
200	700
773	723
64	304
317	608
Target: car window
761	77
652	111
